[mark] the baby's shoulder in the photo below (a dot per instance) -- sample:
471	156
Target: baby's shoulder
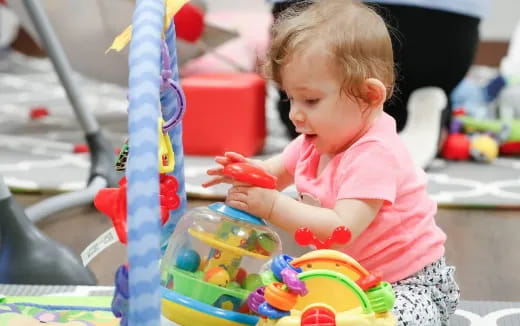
370	146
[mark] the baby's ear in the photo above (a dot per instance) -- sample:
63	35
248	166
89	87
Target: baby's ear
374	92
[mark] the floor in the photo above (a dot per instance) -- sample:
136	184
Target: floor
482	244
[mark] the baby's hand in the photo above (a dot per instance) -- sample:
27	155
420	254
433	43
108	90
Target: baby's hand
218	172
254	200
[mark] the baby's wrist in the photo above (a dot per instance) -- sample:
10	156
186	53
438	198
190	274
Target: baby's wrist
274	202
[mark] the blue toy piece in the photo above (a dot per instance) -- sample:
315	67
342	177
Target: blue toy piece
472	98
188	260
121	295
494	87
271	312
279	263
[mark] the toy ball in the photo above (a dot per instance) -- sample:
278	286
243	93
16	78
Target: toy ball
218	276
203	262
265	244
252	282
484	148
188	260
456	147
241	276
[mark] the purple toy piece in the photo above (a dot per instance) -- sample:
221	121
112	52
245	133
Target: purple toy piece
255	299
294	284
121	295
455	126
47	316
168	83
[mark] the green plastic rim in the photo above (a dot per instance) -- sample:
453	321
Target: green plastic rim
365	302
189	285
381	297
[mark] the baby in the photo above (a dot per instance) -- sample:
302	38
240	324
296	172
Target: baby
334	60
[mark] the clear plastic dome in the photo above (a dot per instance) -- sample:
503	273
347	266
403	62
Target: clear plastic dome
215	255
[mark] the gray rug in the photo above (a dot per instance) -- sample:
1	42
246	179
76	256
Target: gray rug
461	184
38	155
470	313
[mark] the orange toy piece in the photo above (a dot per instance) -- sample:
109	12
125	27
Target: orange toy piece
280	298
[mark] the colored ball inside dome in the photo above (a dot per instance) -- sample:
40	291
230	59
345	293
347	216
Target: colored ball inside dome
188	260
252	282
218	276
265	244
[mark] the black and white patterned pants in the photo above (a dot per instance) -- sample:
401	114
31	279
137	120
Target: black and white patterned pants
427	298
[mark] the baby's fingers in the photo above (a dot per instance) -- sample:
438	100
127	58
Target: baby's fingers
216	181
222	160
235	157
215	171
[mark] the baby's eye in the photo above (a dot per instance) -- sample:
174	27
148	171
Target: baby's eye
312	101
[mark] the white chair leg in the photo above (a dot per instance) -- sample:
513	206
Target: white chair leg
422	130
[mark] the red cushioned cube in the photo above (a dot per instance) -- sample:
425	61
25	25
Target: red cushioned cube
225	112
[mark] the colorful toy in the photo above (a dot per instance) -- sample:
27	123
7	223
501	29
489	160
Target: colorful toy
473	98
480	147
216	293
483	148
481	140
113	203
509	131
323	287
226	235
456	147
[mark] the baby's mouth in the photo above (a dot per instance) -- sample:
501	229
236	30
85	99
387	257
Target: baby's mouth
311	136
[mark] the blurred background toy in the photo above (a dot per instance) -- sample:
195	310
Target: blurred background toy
480	139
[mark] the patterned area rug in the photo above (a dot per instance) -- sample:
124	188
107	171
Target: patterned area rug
470	313
45	154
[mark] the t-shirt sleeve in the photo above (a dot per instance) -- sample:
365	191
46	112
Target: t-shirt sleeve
369	171
291	154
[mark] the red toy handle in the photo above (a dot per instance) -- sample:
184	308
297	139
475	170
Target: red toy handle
305	237
370	281
249	173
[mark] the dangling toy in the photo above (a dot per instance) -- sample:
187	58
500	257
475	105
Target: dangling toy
166	155
113	201
172	7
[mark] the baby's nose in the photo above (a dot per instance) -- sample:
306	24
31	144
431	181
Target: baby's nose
296	115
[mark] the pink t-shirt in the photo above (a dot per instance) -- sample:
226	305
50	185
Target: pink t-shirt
403	238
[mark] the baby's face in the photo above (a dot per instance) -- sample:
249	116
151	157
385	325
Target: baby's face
319	109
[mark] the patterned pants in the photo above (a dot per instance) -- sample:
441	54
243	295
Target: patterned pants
427	298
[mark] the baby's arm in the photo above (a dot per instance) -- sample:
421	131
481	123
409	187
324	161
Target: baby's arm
356	214
276	167
290	214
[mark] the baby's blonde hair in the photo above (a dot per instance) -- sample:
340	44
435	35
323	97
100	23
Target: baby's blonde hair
353	34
